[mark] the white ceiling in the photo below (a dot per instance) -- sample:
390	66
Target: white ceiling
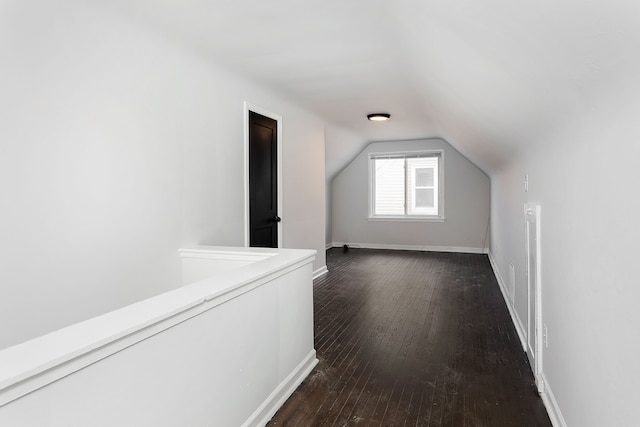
487	75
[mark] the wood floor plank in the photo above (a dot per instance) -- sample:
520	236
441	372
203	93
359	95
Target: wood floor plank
413	339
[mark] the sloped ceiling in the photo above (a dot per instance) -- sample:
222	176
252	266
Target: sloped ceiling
490	76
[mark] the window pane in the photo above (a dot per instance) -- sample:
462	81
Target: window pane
424	177
425	198
389	191
407	185
422	181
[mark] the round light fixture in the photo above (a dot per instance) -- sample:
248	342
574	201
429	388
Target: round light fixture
378	117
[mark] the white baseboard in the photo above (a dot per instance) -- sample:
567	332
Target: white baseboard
514	315
268	409
547	397
328	246
320	272
551	404
423	248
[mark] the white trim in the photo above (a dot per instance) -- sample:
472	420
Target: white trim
246	255
512	283
328	246
423	248
440	217
553	410
29	366
407	218
532	215
548	398
270	406
514	314
320	272
278	118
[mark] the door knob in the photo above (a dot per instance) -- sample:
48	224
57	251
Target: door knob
277	219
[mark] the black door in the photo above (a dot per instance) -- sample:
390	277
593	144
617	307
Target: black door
263	181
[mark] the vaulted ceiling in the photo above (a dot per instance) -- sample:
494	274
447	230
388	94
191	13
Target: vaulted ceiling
487	75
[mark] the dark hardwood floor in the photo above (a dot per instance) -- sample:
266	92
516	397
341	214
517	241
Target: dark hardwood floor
413	339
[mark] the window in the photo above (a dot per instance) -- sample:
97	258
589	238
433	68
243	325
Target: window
407	186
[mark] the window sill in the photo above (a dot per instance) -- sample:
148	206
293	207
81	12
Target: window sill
407	218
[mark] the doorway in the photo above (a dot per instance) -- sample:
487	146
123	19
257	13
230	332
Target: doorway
262	178
534	292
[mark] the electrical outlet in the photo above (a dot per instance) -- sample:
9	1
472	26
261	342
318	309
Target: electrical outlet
545	336
526	183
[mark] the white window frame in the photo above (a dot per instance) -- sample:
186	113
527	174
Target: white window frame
407	216
411	187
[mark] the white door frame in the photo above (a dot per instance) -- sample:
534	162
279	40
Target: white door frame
534	309
278	118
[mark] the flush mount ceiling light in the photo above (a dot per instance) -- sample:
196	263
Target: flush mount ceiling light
378	117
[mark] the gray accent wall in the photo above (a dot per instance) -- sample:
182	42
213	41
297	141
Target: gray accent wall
467	204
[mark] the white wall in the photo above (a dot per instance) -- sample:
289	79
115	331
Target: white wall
303	215
117	146
228	349
342	146
467	201
585	177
